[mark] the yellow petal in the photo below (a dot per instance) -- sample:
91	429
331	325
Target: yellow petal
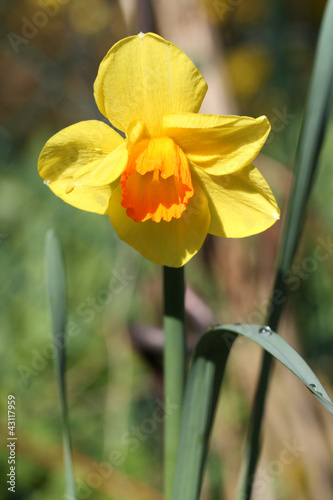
240	204
220	144
91	199
70	160
109	169
144	77
165	243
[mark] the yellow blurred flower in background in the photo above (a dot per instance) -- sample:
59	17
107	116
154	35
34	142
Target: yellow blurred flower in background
177	175
254	63
89	17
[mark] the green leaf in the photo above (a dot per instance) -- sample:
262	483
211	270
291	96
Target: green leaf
56	289
203	387
316	117
317	114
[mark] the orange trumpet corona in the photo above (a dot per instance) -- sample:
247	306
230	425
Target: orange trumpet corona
156	183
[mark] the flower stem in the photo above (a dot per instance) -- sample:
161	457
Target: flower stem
175	359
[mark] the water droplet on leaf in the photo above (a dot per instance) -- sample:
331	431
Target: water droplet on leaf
314	389
265	331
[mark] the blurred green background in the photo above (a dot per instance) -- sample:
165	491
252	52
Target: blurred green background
257	57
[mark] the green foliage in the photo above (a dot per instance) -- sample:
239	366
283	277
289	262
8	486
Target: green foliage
56	287
314	127
315	124
202	392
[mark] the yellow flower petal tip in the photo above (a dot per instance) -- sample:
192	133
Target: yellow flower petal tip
178	175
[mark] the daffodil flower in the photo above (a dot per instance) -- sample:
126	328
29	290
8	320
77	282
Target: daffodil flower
178	175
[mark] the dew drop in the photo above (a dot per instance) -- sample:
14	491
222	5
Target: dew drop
265	331
141	35
314	388
47	182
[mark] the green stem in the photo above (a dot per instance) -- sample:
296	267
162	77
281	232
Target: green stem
254	442
175	360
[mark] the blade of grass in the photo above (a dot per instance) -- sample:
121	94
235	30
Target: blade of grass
318	111
56	289
202	392
203	384
175	358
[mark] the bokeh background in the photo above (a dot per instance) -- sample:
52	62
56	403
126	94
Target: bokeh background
257	58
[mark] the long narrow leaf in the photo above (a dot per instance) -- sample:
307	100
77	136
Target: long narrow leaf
202	393
203	385
56	288
317	114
